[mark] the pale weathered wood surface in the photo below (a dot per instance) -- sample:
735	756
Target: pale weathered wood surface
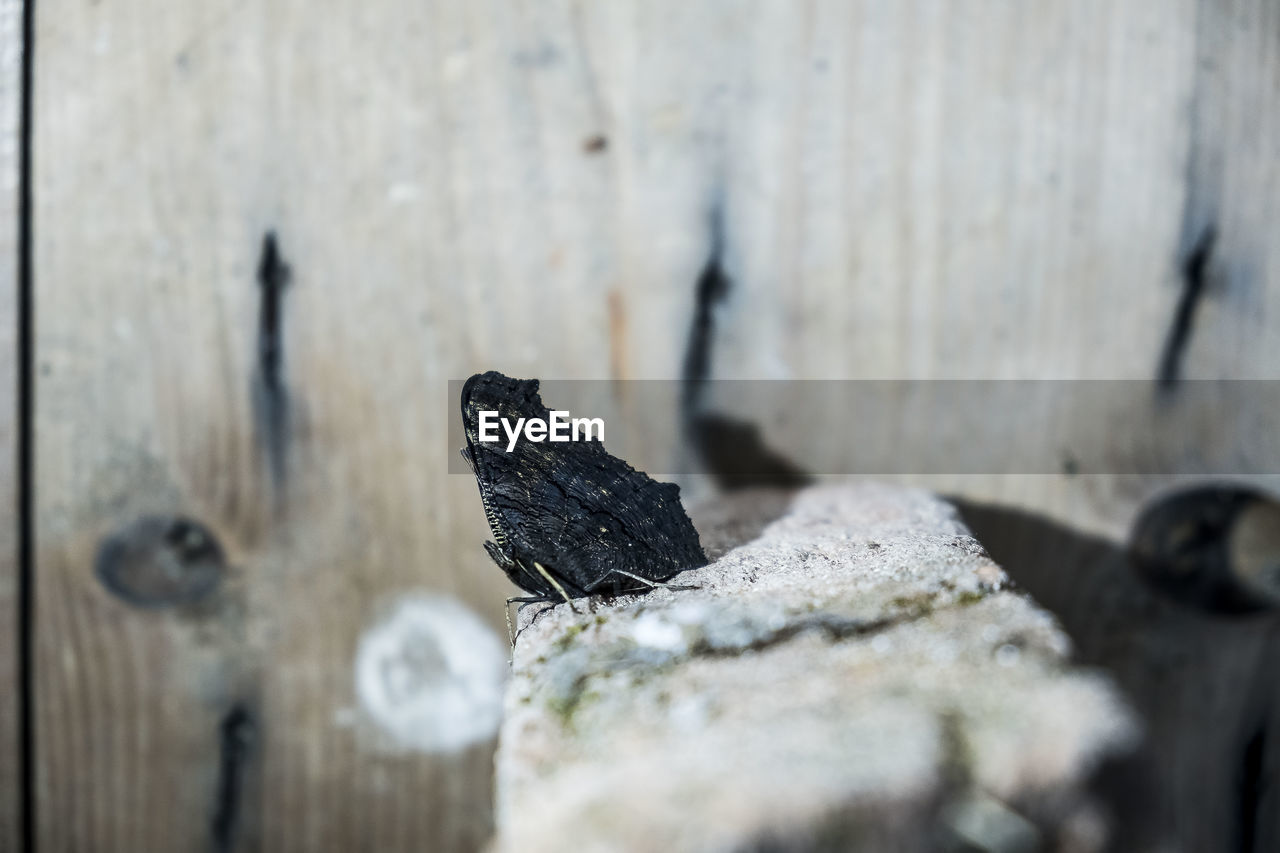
906	189
990	190
10	689
424	168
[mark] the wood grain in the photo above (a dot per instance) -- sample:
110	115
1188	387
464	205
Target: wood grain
995	191
10	687
431	193
908	190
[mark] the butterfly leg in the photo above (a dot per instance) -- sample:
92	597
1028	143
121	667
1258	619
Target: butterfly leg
542	570
650	583
519	599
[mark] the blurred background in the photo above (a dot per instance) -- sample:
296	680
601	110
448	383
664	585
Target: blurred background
252	243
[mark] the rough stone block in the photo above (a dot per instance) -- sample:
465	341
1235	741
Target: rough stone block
852	672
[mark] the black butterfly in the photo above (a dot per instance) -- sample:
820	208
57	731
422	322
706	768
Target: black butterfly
568	519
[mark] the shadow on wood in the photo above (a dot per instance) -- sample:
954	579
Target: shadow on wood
1203	684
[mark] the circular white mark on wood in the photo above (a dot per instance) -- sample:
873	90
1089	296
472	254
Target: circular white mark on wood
431	675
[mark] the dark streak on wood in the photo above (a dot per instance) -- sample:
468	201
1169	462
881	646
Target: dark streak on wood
1204	189
25	485
271	397
711	289
236	735
1195	275
738	457
731	450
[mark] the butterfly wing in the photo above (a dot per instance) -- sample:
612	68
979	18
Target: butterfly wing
587	517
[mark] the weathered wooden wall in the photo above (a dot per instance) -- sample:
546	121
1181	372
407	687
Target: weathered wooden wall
990	190
920	190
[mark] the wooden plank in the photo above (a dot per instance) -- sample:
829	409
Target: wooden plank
440	214
980	190
229	724
906	190
11	793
